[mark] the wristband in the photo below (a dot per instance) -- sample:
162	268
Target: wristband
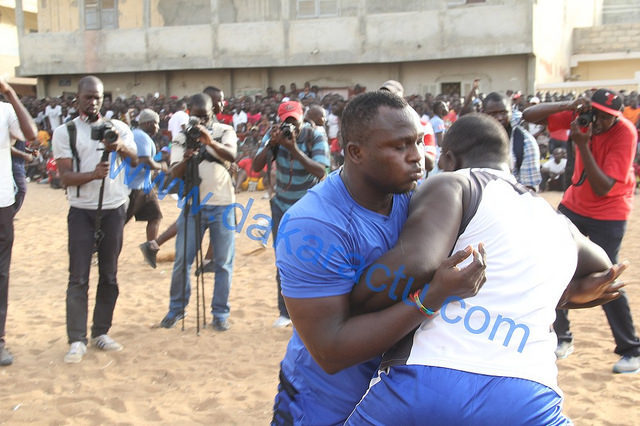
415	297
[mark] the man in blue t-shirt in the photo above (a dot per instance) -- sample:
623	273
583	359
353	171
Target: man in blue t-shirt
301	154
325	242
143	200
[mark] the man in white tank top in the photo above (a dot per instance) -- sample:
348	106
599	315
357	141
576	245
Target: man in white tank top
487	359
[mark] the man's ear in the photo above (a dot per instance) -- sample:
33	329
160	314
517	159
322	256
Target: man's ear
354	151
448	161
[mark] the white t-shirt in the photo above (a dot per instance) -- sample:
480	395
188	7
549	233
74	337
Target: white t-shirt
553	167
216	180
332	124
54	114
9	132
239	117
176	121
116	192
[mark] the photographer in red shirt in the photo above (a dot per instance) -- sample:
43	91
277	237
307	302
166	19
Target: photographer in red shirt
599	199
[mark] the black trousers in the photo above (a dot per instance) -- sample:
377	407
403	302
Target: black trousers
81	242
276	217
6	244
608	235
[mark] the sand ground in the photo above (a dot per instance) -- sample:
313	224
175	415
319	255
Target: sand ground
177	377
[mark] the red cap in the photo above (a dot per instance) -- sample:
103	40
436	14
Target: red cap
290	109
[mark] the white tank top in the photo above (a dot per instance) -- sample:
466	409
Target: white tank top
506	329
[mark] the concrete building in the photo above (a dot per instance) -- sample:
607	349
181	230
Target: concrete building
177	47
9	53
606	55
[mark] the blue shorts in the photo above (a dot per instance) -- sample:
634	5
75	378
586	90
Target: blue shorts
418	395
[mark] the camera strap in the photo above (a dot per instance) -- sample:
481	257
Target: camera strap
71	129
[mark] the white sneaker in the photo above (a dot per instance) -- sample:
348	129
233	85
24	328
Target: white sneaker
76	352
106	343
282	322
563	350
627	364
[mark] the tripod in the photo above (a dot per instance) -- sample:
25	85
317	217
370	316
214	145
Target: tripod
192	181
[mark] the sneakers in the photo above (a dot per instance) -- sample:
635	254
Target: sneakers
220	324
171	319
5	357
149	254
207	267
106	343
564	349
282	322
627	364
76	352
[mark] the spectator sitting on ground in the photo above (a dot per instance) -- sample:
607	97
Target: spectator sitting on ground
553	171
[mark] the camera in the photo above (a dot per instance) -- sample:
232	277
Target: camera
193	133
105	131
287	130
586	118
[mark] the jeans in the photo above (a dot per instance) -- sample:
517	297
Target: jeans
6	243
608	235
221	223
81	225
276	217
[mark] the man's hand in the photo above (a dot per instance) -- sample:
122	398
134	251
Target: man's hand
101	171
581	104
579	137
449	280
4	86
597	288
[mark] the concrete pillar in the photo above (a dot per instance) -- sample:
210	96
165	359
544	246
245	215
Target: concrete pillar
20	28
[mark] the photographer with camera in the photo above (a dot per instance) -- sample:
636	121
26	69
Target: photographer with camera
201	155
82	148
599	199
301	153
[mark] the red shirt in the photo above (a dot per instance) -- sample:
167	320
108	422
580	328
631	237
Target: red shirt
613	152
246	164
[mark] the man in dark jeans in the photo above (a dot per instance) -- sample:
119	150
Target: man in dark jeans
15	123
301	154
83	170
599	199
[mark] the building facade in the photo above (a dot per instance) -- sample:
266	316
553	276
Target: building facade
177	47
9	52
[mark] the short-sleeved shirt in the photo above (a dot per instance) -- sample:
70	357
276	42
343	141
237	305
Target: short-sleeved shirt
9	132
216	187
177	120
146	148
246	164
292	179
613	152
324	242
438	125
116	192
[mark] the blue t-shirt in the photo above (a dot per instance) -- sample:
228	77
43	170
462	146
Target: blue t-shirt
324	242
146	148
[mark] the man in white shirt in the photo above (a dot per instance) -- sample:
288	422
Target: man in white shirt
553	170
15	123
53	112
178	120
94	224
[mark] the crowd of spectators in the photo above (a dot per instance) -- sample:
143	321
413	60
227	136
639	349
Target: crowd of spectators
252	117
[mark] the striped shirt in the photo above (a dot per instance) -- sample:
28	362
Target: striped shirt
292	179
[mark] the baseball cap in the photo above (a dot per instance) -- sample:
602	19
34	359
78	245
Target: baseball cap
534	100
147	115
290	109
608	101
393	86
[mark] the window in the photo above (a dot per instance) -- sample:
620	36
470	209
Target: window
100	14
317	8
